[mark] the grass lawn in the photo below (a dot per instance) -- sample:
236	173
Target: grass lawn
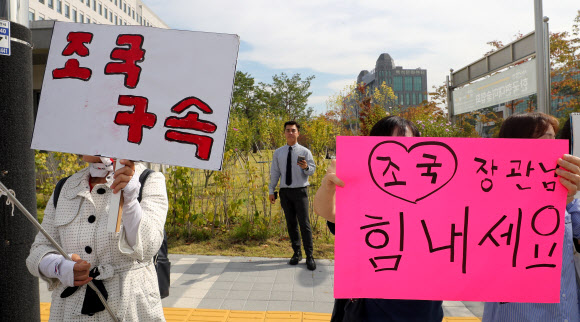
273	247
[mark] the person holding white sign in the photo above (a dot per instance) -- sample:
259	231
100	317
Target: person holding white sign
367	310
119	263
542	126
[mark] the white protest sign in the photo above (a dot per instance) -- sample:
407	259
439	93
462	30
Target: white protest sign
137	93
575	128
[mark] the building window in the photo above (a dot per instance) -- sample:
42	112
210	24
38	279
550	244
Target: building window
133	14
74	15
81	18
417	83
414	99
66	10
89	3
40	17
111	16
41	1
101	9
125	7
407	99
116	20
115	2
106	13
88	19
420	97
31	15
397	83
94	5
50	4
59	6
408	83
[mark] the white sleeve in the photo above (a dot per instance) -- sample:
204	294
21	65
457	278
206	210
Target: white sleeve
56	266
132	211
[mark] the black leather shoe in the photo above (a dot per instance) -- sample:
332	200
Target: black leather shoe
296	258
310	263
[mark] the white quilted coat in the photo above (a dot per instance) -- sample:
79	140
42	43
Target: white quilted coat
127	272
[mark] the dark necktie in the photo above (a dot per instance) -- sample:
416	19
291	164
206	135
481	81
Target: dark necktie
289	167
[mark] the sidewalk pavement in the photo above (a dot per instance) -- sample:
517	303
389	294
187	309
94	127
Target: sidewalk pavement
259	284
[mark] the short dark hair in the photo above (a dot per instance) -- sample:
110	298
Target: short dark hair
527	126
388	125
292	123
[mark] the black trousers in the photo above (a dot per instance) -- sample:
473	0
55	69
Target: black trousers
294	202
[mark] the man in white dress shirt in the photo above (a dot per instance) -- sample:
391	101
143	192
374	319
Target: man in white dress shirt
292	164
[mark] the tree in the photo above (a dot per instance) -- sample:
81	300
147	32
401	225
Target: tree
359	106
243	102
565	55
288	97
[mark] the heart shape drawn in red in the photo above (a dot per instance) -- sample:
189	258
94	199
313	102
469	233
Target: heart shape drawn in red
425	168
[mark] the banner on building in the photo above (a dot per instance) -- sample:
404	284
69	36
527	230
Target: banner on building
512	84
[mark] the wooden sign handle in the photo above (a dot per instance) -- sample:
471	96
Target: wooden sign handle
119	213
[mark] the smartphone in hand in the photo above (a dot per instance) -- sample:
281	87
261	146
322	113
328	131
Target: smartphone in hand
301	158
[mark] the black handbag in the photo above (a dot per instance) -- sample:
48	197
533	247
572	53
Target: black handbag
163	268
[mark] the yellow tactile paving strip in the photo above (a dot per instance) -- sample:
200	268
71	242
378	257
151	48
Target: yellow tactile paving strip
190	315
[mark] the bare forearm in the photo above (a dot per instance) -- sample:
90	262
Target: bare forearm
325	201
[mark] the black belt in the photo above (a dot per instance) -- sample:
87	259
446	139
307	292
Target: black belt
295	188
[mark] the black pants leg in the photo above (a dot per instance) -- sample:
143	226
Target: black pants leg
295	205
291	220
304	220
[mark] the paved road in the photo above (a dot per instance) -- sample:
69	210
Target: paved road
259	284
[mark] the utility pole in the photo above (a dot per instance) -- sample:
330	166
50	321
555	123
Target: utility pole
18	288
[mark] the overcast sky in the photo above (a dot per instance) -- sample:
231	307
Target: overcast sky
336	39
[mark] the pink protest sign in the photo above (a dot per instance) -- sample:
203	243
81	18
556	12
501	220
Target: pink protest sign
449	219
